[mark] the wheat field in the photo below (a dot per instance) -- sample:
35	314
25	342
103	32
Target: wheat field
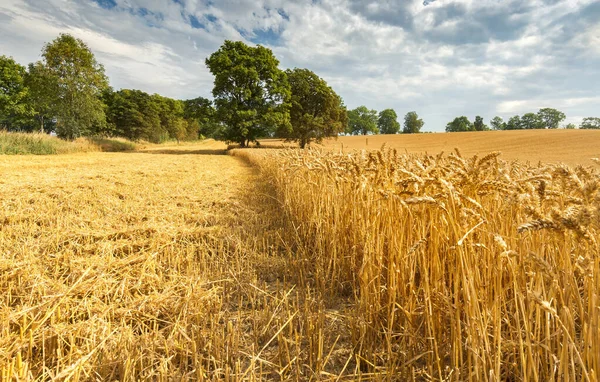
183	263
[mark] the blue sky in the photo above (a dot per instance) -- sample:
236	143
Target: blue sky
441	58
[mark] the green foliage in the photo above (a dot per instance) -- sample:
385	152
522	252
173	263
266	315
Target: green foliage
41	97
460	124
531	121
590	123
570	126
412	123
362	121
13	94
251	93
479	125
514	123
388	122
201	111
550	118
498	123
77	81
316	110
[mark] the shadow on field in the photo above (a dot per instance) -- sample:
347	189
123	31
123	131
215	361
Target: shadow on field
184	152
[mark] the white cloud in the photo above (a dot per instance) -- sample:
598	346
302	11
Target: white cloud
453	57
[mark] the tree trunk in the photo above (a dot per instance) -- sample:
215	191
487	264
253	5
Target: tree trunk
42	124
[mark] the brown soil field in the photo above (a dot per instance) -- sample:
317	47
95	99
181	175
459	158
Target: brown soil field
572	147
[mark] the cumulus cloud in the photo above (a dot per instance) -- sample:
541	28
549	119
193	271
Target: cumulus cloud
440	58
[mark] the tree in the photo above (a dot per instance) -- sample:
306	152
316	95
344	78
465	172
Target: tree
570	126
202	111
514	123
251	93
531	121
479	125
362	121
41	96
590	123
13	93
459	124
412	123
77	81
550	118
498	123
316	110
388	122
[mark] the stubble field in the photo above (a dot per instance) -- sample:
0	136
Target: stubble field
180	263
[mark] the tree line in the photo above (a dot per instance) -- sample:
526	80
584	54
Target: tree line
68	92
545	118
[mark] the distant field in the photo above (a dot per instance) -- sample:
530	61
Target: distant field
569	146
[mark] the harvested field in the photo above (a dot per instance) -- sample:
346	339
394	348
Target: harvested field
180	262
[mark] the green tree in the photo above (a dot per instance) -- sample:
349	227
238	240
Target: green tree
251	93
498	123
388	122
77	82
13	94
460	124
570	126
135	115
316	110
550	118
479	125
590	123
41	97
531	121
514	123
412	123
362	121
202	111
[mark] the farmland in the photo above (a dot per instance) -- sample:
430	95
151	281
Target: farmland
180	262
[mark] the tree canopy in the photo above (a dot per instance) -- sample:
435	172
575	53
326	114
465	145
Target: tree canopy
460	124
388	122
362	121
550	118
590	123
13	93
251	93
412	123
77	80
316	110
479	125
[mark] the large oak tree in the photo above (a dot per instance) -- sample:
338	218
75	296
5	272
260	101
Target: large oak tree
251	93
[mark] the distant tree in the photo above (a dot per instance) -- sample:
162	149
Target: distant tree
514	123
13	94
479	125
570	126
202	111
590	123
550	118
251	93
412	123
388	122
530	121
135	115
460	124
362	121
316	110
498	123
78	81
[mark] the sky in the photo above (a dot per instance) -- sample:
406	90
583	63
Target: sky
440	58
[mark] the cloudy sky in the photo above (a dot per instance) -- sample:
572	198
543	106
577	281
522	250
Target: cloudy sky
441	58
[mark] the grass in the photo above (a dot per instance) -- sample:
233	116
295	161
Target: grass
44	144
297	265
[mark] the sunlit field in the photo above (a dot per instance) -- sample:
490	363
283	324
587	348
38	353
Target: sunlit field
567	146
187	262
